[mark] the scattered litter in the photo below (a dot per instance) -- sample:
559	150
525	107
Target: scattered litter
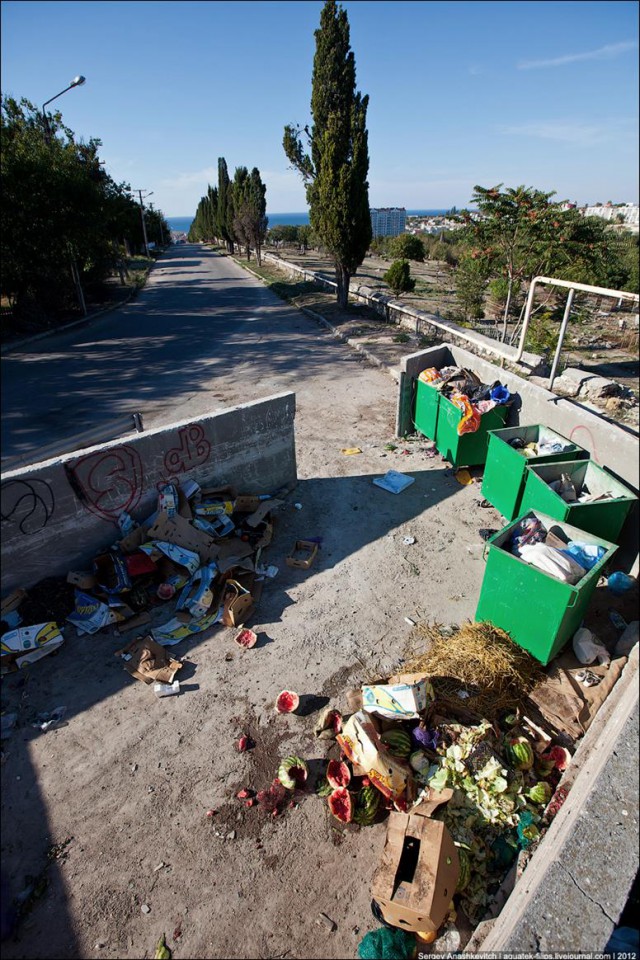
91	615
487	532
160	866
627	640
464	694
244	743
303	554
246	639
463	477
47	721
145	908
287	702
618	583
587	649
7	724
148	661
162	950
28	644
167	689
483	504
231	835
298	506
619	622
329	724
271	571
588	678
350	451
411	622
393	481
407	541
324	920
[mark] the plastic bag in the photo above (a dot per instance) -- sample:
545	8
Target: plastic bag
470	417
587	649
529	531
430	375
552	561
586	554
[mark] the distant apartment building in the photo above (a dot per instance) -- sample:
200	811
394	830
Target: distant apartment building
628	212
388	221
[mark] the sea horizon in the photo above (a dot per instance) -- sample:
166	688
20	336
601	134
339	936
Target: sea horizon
295	218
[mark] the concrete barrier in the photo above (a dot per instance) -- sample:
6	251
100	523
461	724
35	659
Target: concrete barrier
58	514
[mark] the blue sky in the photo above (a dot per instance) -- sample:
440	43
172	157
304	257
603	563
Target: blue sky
537	93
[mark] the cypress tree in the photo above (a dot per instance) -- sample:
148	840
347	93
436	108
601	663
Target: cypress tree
225	205
258	220
335	171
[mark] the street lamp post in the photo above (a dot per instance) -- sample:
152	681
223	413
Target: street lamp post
76	82
75	273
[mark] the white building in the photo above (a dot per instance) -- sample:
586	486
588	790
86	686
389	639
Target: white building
388	221
607	211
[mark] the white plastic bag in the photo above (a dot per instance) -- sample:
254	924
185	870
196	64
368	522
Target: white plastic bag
552	561
587	649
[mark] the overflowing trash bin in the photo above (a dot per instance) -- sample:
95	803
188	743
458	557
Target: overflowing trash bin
456	410
510	451
580	492
540	576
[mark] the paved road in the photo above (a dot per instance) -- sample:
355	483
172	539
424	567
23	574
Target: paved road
203	333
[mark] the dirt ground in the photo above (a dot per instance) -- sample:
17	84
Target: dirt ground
106	839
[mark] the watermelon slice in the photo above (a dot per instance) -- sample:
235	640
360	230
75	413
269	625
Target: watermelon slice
287	702
246	639
338	774
340	805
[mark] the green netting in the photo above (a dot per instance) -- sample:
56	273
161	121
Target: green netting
386	944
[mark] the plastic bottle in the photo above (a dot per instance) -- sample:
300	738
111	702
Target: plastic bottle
166	689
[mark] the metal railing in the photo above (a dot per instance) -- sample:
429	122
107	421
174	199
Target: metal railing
571	286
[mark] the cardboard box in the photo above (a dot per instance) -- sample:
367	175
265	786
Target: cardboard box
82	579
246	504
303	554
13	601
28	644
418	872
360	741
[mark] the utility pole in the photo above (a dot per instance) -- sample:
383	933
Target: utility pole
144	225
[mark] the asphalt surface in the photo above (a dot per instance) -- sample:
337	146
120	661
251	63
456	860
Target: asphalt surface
202	334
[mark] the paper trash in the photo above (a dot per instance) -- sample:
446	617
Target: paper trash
197	596
360	741
91	615
28	644
180	555
147	661
397	701
394	482
175	630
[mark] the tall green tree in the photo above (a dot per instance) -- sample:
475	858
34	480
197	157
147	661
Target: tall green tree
257	204
335	171
407	246
224	213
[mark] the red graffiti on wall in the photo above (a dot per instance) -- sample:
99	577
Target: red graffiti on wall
193	450
108	482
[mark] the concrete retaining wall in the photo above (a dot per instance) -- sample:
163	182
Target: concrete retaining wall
58	514
419	320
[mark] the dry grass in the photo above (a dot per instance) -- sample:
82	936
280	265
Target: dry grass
479	658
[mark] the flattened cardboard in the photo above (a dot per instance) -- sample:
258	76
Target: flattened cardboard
414	892
246	504
149	661
178	530
135	539
431	801
360	741
265	508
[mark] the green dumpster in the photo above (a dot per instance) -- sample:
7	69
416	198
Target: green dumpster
604	518
470	449
426	410
505	469
540	612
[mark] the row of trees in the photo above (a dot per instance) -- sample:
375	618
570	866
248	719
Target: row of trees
65	222
234	212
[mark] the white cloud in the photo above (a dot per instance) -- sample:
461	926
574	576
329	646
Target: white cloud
196	178
577	132
609	52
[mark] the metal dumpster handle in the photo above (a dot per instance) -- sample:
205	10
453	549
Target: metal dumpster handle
573	600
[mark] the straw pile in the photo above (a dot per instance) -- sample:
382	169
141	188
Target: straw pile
479	658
